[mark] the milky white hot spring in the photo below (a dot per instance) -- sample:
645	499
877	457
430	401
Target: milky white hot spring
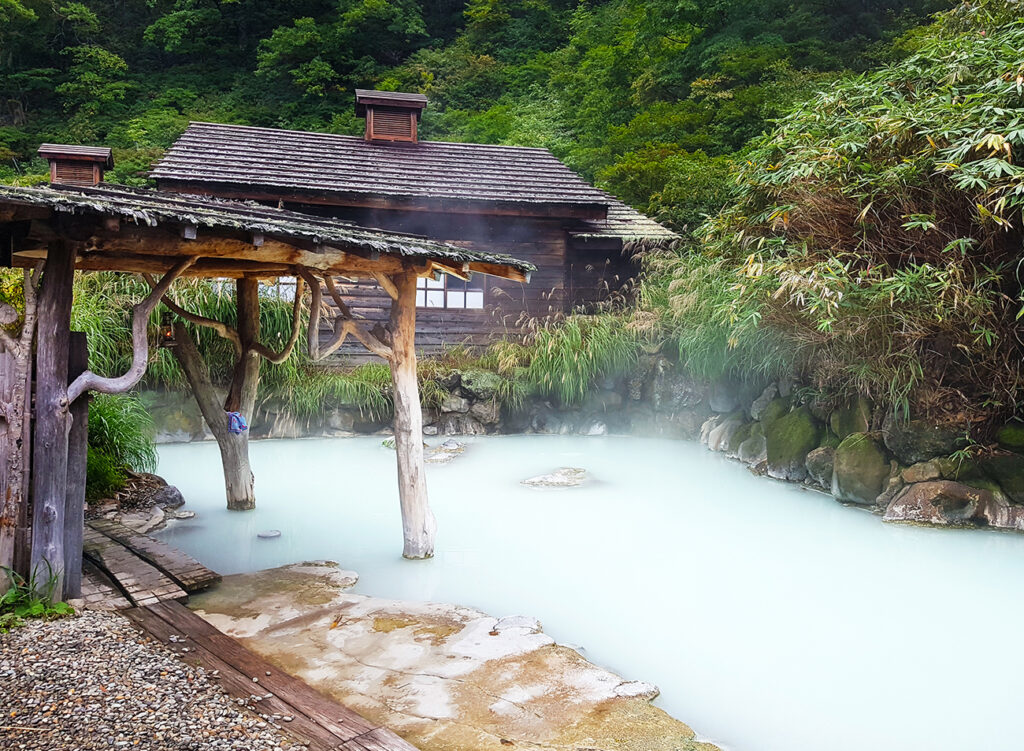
771	617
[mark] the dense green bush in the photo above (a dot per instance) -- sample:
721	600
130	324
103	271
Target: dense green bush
874	240
120	440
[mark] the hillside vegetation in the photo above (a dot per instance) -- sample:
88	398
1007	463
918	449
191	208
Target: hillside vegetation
845	172
648	98
873	243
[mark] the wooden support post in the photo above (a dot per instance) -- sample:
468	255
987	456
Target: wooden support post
52	418
78	449
418	524
11	453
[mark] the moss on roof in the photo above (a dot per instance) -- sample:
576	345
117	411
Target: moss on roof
151	207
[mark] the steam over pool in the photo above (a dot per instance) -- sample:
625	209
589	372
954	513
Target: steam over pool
772	618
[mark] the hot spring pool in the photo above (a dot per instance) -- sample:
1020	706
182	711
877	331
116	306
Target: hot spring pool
772	618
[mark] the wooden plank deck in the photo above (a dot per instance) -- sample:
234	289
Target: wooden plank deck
317	720
143	583
189	573
98	592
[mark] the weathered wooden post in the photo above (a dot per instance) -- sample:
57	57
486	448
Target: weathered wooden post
78	451
52	418
418	523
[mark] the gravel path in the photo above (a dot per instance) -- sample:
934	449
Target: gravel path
94	682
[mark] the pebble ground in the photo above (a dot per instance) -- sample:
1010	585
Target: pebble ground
94	682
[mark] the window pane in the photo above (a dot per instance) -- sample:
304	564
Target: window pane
475	282
474	299
456	284
456	299
421	298
421	283
435	299
431	284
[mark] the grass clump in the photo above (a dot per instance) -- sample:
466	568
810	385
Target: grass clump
30	598
120	441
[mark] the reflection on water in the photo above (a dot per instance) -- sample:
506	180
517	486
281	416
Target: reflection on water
772	618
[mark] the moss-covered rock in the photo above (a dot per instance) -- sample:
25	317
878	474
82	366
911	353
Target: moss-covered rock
742	433
776	409
788	441
1007	469
820	464
480	384
854	417
860	469
1011	436
913	441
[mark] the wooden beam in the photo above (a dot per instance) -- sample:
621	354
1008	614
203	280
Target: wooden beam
504	272
387	285
52	420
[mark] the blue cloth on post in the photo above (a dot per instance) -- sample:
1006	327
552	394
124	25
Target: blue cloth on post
236	423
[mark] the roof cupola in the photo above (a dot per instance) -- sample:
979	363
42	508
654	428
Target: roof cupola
390	115
76	165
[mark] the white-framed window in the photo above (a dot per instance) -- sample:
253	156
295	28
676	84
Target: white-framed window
450	293
283	288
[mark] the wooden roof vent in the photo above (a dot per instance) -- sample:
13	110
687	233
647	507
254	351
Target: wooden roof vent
76	165
390	115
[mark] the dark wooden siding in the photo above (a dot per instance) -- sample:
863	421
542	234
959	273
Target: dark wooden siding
564	278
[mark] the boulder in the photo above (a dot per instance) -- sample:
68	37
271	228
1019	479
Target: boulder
597	427
564	477
670	389
480	384
913	441
742	433
788	441
719	436
454	403
854	417
922	472
949	503
456	423
860	470
1007	469
819	466
753	450
774	410
168	497
1011	436
758	406
488	412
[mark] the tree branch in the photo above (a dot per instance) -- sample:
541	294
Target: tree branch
277	358
344	324
222	329
89	381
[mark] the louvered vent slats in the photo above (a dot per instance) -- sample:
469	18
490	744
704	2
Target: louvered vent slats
74	173
391	124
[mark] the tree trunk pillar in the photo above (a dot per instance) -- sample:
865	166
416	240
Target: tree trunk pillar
78	451
52	418
418	524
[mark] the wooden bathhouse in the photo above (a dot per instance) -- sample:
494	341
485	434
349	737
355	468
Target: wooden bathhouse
507	199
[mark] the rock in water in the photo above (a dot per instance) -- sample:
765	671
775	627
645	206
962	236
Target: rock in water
269	534
948	503
861	468
564	477
819	465
168	497
788	441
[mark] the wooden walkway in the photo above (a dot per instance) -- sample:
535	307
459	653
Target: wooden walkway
315	719
123	568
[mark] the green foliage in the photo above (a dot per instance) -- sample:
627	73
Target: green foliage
121	428
120	440
874	237
30	598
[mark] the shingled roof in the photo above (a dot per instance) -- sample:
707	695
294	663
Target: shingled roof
265	162
152	208
627	225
